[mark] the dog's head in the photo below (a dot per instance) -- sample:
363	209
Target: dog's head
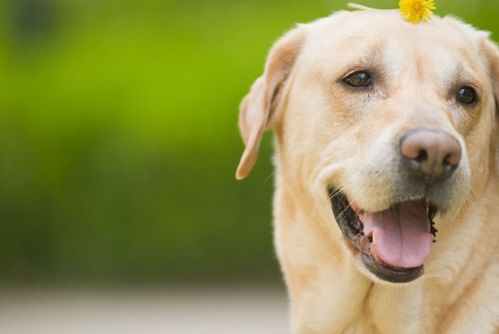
392	124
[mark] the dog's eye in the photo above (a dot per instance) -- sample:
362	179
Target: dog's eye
359	79
466	95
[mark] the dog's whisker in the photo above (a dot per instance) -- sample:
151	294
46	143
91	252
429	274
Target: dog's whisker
349	206
270	176
335	194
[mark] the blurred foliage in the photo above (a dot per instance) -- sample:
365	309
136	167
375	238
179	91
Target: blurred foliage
118	136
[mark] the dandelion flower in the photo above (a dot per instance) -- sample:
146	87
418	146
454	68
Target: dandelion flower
416	11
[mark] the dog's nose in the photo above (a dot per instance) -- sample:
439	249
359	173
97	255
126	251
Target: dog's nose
434	154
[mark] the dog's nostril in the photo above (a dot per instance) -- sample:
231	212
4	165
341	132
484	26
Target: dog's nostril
447	161
453	158
422	156
449	166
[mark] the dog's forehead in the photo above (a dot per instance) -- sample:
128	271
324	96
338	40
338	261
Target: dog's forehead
346	37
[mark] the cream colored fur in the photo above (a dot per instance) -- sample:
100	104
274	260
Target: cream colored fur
328	135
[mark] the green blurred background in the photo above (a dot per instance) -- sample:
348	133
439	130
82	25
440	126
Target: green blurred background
118	137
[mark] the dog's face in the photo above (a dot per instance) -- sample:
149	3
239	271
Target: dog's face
391	122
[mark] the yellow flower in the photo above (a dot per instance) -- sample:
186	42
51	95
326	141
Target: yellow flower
416	11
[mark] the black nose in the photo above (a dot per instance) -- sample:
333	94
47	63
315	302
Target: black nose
434	154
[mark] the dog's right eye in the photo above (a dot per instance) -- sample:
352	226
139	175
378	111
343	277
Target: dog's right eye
359	79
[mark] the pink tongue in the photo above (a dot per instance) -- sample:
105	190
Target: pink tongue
401	235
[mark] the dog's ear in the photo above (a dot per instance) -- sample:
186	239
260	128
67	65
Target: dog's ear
259	110
492	55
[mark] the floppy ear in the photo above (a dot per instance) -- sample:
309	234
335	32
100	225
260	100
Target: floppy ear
259	110
492	54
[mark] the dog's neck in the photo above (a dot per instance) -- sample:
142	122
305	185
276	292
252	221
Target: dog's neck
339	298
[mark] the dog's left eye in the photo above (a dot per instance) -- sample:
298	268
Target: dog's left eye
466	95
359	79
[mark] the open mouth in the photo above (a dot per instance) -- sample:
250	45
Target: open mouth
394	243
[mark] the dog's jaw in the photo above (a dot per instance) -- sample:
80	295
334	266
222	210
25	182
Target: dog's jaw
397	232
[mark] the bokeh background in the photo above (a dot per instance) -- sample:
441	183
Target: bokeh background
119	140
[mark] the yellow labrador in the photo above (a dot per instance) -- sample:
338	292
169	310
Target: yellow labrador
387	195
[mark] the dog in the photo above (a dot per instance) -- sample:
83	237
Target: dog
386	207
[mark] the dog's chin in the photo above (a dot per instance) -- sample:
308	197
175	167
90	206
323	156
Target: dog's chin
392	244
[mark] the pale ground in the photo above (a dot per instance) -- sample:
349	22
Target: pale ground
172	311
